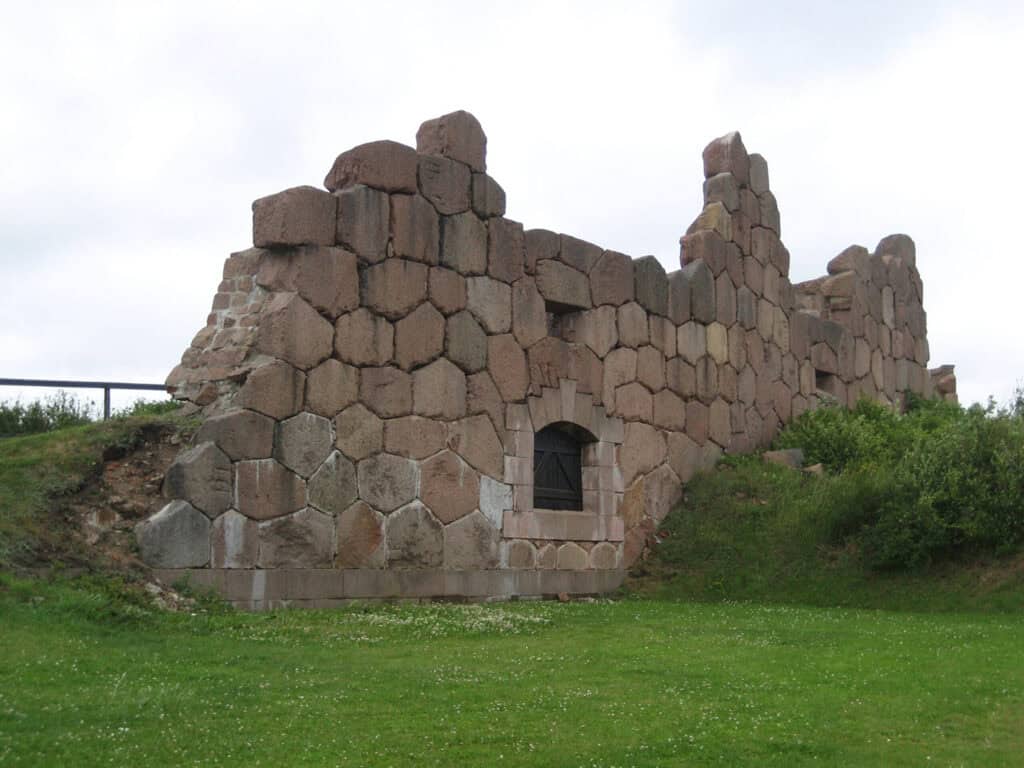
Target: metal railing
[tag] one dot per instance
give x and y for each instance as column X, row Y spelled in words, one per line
column 106, row 386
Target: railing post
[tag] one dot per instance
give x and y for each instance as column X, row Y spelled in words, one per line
column 106, row 403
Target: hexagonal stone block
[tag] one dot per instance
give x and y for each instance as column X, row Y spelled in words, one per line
column 563, row 286
column 597, row 328
column 465, row 342
column 475, row 439
column 692, row 342
column 669, row 411
column 697, row 421
column 415, row 538
column 363, row 222
column 302, row 442
column 632, row 325
column 363, row 338
column 358, row 432
column 506, row 250
column 178, row 536
column 490, row 301
column 385, row 165
column 447, row 290
column 439, row 390
column 296, row 216
column 333, row 488
column 678, row 297
column 449, row 486
column 457, row 135
column 611, row 279
column 464, row 243
column 275, row 389
column 360, row 537
column 727, row 154
column 445, row 183
column 331, row 387
column 506, row 362
column 386, row 391
column 662, row 491
column 201, row 475
column 386, row 481
column 488, row 196
column 572, row 557
column 641, row 451
column 471, row 544
column 633, row 402
column 267, row 489
column 651, row 285
column 415, row 229
column 419, row 337
column 650, row 368
column 234, row 541
column 719, row 422
column 325, row 277
column 701, row 280
column 302, row 540
column 681, row 377
column 394, row 287
column 718, row 343
column 292, row 331
column 482, row 397
column 240, row 434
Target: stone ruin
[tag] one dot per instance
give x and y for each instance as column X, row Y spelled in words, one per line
column 382, row 374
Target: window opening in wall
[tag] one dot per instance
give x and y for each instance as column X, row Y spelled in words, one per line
column 559, row 317
column 825, row 382
column 557, row 469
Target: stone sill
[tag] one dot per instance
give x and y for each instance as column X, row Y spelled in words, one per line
column 562, row 525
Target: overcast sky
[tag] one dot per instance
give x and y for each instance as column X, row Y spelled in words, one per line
column 136, row 135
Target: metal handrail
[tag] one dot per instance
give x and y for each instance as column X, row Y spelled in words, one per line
column 106, row 386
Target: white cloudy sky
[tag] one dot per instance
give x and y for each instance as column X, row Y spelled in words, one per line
column 135, row 135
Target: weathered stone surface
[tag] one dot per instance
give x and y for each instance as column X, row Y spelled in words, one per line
column 900, row 246
column 495, row 498
column 506, row 250
column 482, row 396
column 303, row 442
column 332, row 488
column 719, row 422
column 447, row 290
column 239, row 434
column 728, row 383
column 641, row 451
column 445, row 183
column 471, row 543
column 387, row 391
column 684, row 456
column 562, row 286
column 619, row 368
column 529, row 318
column 663, row 335
column 415, row 229
column 572, row 557
column 604, row 556
column 449, row 486
column 521, row 554
column 758, row 174
column 722, row 188
column 363, row 338
column 650, row 368
column 296, row 216
column 303, row 540
column 358, row 432
column 681, row 377
column 386, row 481
column 274, row 390
column 633, row 402
column 292, row 331
column 506, row 363
column 578, row 254
column 178, row 536
column 202, row 476
column 725, row 300
column 394, row 287
column 662, row 491
column 234, row 541
column 385, row 165
column 549, row 361
column 490, row 301
column 707, row 379
column 474, row 438
column 669, row 411
column 697, row 421
column 707, row 246
column 457, row 135
column 678, row 297
column 330, row 388
column 714, row 218
column 718, row 343
column 464, row 244
column 770, row 212
column 597, row 328
column 419, row 337
column 415, row 538
column 651, row 285
column 414, row 436
column 360, row 541
column 587, row 370
column 547, row 556
column 692, row 341
column 727, row 154
column 439, row 390
column 632, row 325
column 702, row 291
column 363, row 221
column 325, row 277
column 488, row 196
column 465, row 342
column 611, row 279
column 266, row 489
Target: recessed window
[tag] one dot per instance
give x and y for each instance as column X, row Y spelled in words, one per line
column 826, row 382
column 557, row 469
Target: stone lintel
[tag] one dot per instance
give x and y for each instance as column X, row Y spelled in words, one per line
column 563, row 525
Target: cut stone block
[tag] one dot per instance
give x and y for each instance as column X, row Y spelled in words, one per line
column 506, row 362
column 439, row 390
column 541, row 244
column 275, row 390
column 529, row 318
column 725, row 300
column 358, row 432
column 641, row 451
column 650, row 368
column 632, row 325
column 718, row 343
column 234, row 541
column 578, row 254
column 296, row 216
column 692, row 341
column 727, row 154
column 327, row 278
column 482, row 396
column 387, row 391
column 415, row 538
column 521, row 554
column 385, row 165
column 386, row 481
column 719, row 422
column 471, row 544
column 707, row 379
column 490, row 301
column 619, row 368
column 360, row 537
column 394, row 287
column 758, row 174
column 651, row 285
column 900, row 246
column 697, row 421
column 447, row 290
column 445, row 183
column 464, row 244
column 457, row 135
column 239, row 434
column 363, row 338
column 678, row 297
column 331, row 387
column 706, row 245
column 597, row 328
column 488, row 196
column 266, row 489
column 495, row 498
column 202, row 476
column 572, row 557
column 415, row 229
column 363, row 222
column 562, row 286
column 681, row 377
column 684, row 456
column 449, row 486
column 332, row 488
column 303, row 442
column 662, row 491
column 419, row 337
column 292, row 331
column 302, row 540
column 506, row 250
column 611, row 279
column 414, row 436
column 178, row 536
column 476, row 441
column 669, row 411
column 702, row 291
column 722, row 188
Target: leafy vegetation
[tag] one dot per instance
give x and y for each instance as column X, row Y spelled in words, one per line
column 57, row 411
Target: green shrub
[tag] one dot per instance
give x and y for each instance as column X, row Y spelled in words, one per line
column 57, row 411
column 149, row 408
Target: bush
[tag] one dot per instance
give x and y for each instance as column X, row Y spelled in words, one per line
column 57, row 411
column 149, row 408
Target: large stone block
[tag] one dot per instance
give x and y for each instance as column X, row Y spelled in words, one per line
column 529, row 317
column 325, row 277
column 650, row 368
column 394, row 287
column 419, row 336
column 475, row 439
column 360, row 537
column 178, row 536
column 506, row 250
column 296, row 216
column 303, row 442
column 725, row 300
column 457, row 135
column 718, row 343
column 414, row 436
column 447, row 184
column 363, row 222
column 572, row 557
column 415, row 229
column 719, row 422
column 332, row 488
column 684, row 456
column 331, row 387
column 550, row 361
column 464, row 244
column 722, row 188
column 541, row 244
column 240, row 434
column 651, row 285
column 363, row 338
column 358, row 432
column 506, row 363
column 471, row 544
column 386, row 481
column 770, row 212
column 697, row 421
column 681, row 377
column 387, row 391
column 447, row 290
column 699, row 277
column 385, row 165
column 678, row 297
column 619, row 368
column 611, row 279
column 578, row 254
column 521, row 554
column 266, row 489
column 495, row 499
column 303, row 540
column 275, row 390
column 758, row 174
column 707, row 379
column 563, row 286
column 900, row 246
column 714, row 218
column 706, row 245
column 692, row 341
column 202, row 476
column 490, row 301
column 669, row 411
column 633, row 328
column 488, row 196
column 482, row 396
column 727, row 154
column 597, row 328
column 292, row 331
column 439, row 390
column 234, row 541
column 415, row 538
column 465, row 342
column 641, row 451
column 449, row 486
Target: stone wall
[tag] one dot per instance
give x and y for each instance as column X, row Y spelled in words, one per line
column 374, row 370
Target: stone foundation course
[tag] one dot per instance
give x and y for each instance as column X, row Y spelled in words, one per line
column 374, row 371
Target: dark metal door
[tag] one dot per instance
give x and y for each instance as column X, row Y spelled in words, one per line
column 557, row 470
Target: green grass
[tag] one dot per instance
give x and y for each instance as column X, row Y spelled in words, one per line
column 87, row 679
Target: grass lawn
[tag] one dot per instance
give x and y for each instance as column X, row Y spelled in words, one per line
column 87, row 680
